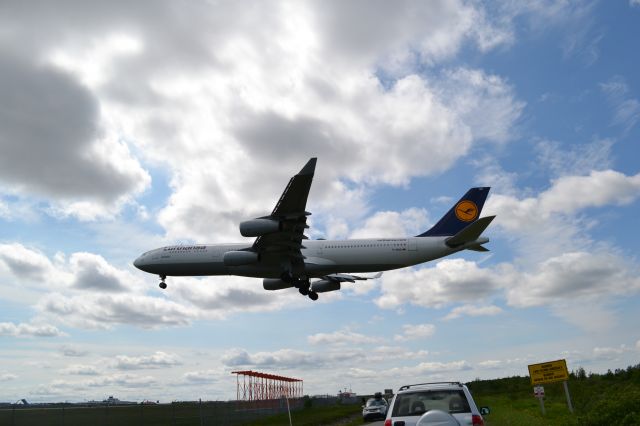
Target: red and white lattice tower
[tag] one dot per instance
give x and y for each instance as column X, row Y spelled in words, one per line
column 256, row 386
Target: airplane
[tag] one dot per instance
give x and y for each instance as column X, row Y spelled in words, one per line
column 285, row 258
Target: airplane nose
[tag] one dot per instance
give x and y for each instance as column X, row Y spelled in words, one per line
column 138, row 262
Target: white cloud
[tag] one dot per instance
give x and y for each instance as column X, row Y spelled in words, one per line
column 83, row 167
column 203, row 377
column 570, row 276
column 24, row 262
column 593, row 279
column 106, row 311
column 483, row 102
column 554, row 221
column 577, row 160
column 73, row 351
column 283, row 358
column 633, row 3
column 449, row 281
column 29, row 330
column 626, row 110
column 473, row 311
column 197, row 115
column 158, row 359
column 7, row 377
column 415, row 332
column 341, row 337
column 567, row 196
column 609, row 353
column 81, row 370
column 503, row 364
column 393, row 224
column 121, row 380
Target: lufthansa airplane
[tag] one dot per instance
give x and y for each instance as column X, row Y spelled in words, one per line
column 284, row 257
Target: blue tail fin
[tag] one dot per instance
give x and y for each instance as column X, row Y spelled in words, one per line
column 464, row 212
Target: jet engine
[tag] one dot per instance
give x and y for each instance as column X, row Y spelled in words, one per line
column 239, row 258
column 258, row 227
column 324, row 286
column 275, row 284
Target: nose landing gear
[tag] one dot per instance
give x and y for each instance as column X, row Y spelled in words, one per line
column 162, row 284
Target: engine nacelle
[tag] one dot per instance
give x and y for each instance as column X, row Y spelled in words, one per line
column 275, row 284
column 324, row 286
column 258, row 227
column 239, row 258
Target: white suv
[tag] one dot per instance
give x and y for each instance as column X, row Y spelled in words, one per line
column 442, row 403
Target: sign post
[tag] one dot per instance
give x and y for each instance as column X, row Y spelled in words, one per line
column 550, row 372
column 566, row 392
column 538, row 391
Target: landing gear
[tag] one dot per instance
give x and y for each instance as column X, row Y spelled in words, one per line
column 162, row 284
column 302, row 284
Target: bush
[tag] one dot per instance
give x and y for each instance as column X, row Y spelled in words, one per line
column 617, row 407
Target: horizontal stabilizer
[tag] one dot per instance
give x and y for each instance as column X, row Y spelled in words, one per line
column 470, row 233
column 478, row 248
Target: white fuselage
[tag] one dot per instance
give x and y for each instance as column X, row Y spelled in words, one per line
column 321, row 257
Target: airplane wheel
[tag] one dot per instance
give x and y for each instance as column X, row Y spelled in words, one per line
column 303, row 291
column 163, row 285
column 313, row 295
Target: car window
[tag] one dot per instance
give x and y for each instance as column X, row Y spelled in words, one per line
column 376, row 402
column 417, row 403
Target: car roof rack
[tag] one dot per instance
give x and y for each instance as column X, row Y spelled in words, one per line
column 405, row 387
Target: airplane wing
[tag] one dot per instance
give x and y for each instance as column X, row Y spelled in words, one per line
column 284, row 246
column 340, row 278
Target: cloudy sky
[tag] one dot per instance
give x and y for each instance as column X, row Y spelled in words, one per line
column 130, row 125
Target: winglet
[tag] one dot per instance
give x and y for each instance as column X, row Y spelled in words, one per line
column 310, row 167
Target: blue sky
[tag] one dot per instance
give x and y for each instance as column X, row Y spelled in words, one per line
column 131, row 127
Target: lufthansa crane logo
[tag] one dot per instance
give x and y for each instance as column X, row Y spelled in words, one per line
column 466, row 211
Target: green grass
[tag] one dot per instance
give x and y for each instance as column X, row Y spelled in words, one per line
column 178, row 414
column 312, row 416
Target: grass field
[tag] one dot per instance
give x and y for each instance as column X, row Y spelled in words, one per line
column 313, row 416
column 598, row 399
column 178, row 414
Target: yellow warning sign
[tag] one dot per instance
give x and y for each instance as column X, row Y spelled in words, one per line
column 548, row 372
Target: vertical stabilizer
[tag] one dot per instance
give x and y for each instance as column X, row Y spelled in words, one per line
column 462, row 214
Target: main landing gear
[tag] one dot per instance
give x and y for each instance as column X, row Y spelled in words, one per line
column 162, row 284
column 302, row 284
